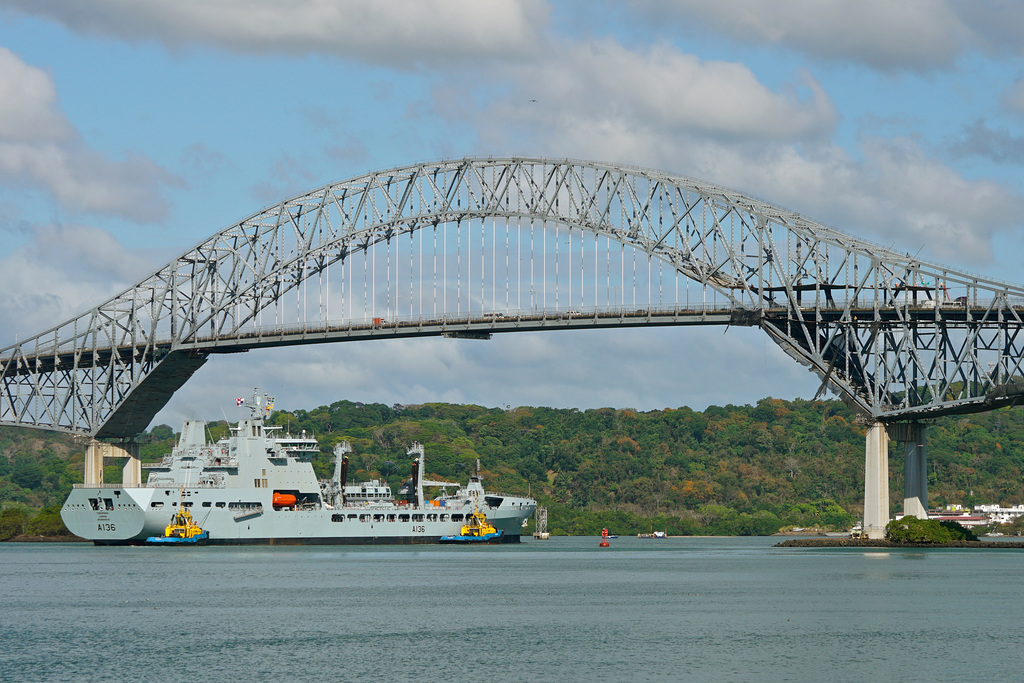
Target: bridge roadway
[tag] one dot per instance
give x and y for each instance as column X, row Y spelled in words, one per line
column 483, row 325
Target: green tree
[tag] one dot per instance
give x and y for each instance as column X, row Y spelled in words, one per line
column 12, row 523
column 761, row 523
column 910, row 529
column 27, row 474
column 47, row 523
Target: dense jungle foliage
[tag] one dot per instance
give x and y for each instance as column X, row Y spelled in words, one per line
column 726, row 470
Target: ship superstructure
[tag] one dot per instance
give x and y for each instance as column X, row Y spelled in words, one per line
column 258, row 486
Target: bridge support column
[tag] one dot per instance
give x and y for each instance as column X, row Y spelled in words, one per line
column 94, row 462
column 876, row 481
column 131, row 474
column 915, row 471
column 97, row 451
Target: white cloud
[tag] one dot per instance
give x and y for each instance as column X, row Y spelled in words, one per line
column 914, row 35
column 1013, row 99
column 288, row 176
column 911, row 34
column 40, row 149
column 593, row 89
column 996, row 143
column 61, row 272
column 28, row 103
column 398, row 32
column 896, row 194
column 202, row 162
column 996, row 25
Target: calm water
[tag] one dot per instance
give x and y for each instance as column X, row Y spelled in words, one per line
column 696, row 609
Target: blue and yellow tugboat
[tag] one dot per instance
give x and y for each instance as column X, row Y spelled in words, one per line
column 182, row 530
column 476, row 530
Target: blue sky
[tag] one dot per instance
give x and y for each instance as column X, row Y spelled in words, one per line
column 131, row 131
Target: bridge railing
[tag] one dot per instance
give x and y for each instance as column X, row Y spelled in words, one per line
column 389, row 321
column 637, row 311
column 481, row 317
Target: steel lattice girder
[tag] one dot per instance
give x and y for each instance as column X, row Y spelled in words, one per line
column 872, row 322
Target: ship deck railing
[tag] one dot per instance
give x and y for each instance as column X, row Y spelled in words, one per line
column 105, row 486
column 168, row 463
column 150, row 485
column 505, row 494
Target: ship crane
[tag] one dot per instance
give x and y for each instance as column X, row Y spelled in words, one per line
column 337, row 493
column 419, row 469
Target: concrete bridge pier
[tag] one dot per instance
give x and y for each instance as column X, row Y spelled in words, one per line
column 876, row 481
column 915, row 471
column 131, row 474
column 876, row 474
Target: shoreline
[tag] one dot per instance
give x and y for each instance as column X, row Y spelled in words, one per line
column 881, row 543
column 25, row 538
column 806, row 542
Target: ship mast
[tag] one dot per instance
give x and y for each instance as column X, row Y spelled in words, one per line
column 260, row 406
column 417, row 449
column 259, row 410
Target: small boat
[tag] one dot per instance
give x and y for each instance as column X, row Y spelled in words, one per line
column 654, row 534
column 182, row 530
column 476, row 530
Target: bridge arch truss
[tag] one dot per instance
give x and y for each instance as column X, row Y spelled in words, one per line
column 475, row 246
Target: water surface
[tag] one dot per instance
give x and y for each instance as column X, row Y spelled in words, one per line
column 698, row 609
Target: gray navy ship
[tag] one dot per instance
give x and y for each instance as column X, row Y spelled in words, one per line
column 258, row 487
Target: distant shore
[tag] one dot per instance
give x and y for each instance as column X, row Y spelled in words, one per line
column 871, row 543
column 24, row 538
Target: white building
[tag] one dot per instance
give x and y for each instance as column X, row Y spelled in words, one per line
column 1000, row 515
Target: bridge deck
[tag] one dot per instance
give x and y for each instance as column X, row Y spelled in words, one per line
column 482, row 325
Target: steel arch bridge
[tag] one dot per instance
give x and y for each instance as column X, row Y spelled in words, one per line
column 476, row 246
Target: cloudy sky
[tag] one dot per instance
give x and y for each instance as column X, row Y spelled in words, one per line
column 129, row 131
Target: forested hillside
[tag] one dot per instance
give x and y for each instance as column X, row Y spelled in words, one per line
column 732, row 469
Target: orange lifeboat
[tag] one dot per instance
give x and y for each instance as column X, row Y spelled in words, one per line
column 283, row 500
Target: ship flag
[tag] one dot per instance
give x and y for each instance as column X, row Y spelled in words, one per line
column 239, row 401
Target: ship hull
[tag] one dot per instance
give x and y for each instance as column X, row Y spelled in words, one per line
column 128, row 516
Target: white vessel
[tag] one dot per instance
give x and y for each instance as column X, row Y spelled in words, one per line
column 258, row 487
